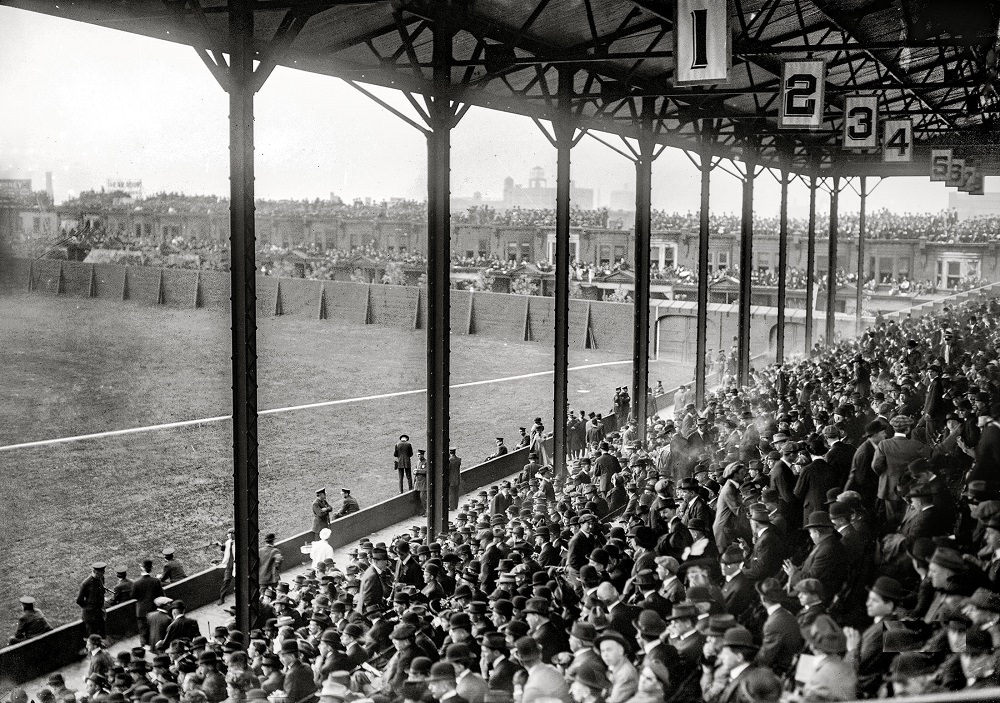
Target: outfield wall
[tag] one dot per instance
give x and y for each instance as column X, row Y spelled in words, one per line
column 56, row 649
column 512, row 318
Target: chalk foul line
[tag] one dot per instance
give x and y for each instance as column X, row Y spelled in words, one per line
column 288, row 409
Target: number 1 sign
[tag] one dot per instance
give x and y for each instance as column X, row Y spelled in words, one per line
column 803, row 85
column 702, row 42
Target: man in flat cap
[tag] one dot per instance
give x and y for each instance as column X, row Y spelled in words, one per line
column 91, row 600
column 31, row 623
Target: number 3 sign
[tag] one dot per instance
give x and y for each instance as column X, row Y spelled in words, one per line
column 803, row 84
column 860, row 120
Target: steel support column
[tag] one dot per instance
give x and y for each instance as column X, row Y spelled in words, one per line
column 441, row 116
column 779, row 346
column 746, row 269
column 701, row 341
column 563, row 129
column 243, row 312
column 643, row 225
column 862, row 222
column 831, row 283
column 811, row 266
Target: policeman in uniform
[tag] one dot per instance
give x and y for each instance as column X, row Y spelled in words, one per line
column 172, row 569
column 31, row 623
column 123, row 589
column 91, row 600
column 350, row 504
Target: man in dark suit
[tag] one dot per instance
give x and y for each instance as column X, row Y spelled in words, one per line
column 684, row 635
column 454, row 477
column 816, row 479
column 737, row 657
column 892, row 456
column 782, row 639
column 145, row 589
column 827, row 561
column 923, row 518
column 768, row 546
column 738, row 590
column 402, row 454
column 551, row 639
column 497, row 667
column 408, row 571
column 181, row 627
column 862, row 477
column 605, row 466
column 158, row 620
column 840, row 453
column 372, row 590
column 90, row 599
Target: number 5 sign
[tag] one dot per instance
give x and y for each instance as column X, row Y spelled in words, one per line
column 803, row 84
column 860, row 120
column 702, row 42
column 897, row 142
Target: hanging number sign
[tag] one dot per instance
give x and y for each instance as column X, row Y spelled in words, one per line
column 940, row 164
column 860, row 122
column 956, row 173
column 702, row 42
column 803, row 86
column 897, row 141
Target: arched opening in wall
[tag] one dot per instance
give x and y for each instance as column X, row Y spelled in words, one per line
column 794, row 334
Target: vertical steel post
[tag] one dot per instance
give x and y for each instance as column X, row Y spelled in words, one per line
column 746, row 270
column 441, row 114
column 563, row 128
column 243, row 312
column 811, row 265
column 779, row 346
column 831, row 284
column 701, row 334
column 643, row 225
column 862, row 222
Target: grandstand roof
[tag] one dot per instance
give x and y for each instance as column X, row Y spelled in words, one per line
column 623, row 52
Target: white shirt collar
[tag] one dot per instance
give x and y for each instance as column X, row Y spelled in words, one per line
column 737, row 670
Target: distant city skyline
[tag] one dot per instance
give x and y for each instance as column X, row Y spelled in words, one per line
column 108, row 104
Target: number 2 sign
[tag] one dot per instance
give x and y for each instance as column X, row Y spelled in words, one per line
column 803, row 85
column 897, row 141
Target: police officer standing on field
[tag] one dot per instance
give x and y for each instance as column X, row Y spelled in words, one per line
column 91, row 600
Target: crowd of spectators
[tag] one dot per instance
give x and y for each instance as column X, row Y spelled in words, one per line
column 828, row 532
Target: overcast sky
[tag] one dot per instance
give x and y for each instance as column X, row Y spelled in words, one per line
column 89, row 104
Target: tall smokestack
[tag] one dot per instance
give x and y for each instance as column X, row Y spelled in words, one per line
column 48, row 187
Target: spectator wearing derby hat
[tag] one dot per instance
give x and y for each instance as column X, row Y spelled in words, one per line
column 738, row 590
column 270, row 562
column 831, row 679
column 827, row 561
column 544, row 680
column 299, row 684
column 495, row 663
column 867, row 651
column 769, row 547
column 683, row 634
column 551, row 638
column 589, row 684
column 372, row 590
column 913, row 674
column 737, row 655
column 181, row 627
column 469, row 683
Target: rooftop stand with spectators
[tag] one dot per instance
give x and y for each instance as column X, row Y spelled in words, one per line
column 825, row 527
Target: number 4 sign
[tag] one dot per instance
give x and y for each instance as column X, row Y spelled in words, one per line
column 897, row 141
column 860, row 120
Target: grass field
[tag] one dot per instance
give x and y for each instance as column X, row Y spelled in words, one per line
column 72, row 367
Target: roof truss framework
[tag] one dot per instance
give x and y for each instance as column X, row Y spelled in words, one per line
column 507, row 55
